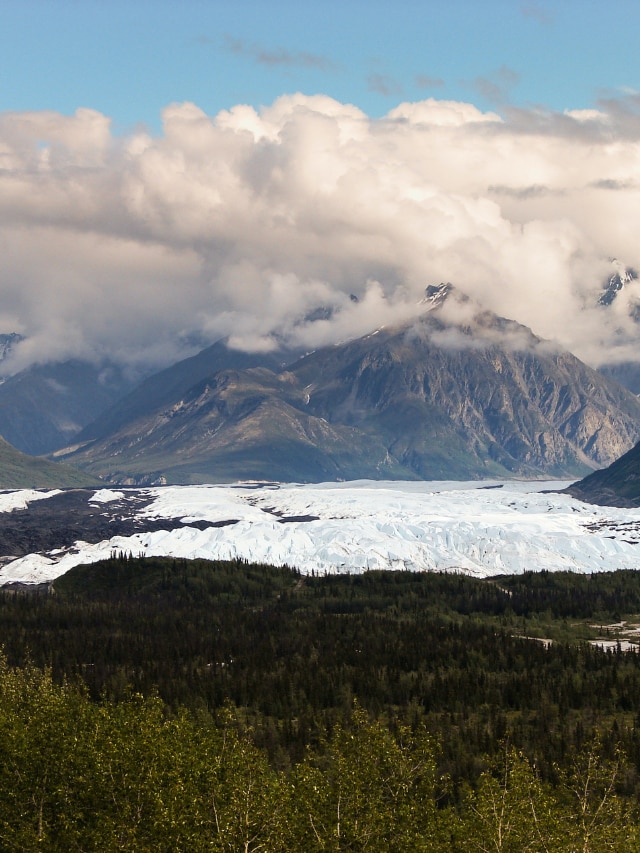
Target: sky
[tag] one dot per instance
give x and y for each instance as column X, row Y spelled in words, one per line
column 171, row 173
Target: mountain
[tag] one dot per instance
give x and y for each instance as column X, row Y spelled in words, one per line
column 623, row 282
column 7, row 343
column 167, row 386
column 237, row 424
column 45, row 406
column 489, row 392
column 457, row 393
column 625, row 373
column 20, row 471
column 616, row 485
column 619, row 279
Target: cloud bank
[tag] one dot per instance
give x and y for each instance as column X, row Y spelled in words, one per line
column 309, row 222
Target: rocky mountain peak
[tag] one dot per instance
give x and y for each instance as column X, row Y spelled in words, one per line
column 436, row 294
column 621, row 294
column 621, row 277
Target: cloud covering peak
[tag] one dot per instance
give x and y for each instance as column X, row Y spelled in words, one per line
column 265, row 224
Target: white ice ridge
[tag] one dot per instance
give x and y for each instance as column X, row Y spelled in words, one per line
column 478, row 528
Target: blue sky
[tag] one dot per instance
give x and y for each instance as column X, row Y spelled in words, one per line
column 130, row 59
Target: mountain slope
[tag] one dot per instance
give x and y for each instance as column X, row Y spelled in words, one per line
column 45, row 406
column 616, row 485
column 488, row 390
column 167, row 386
column 436, row 398
column 237, row 424
column 20, row 471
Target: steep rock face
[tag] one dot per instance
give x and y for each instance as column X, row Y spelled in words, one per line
column 517, row 402
column 620, row 278
column 237, row 424
column 437, row 398
column 7, row 344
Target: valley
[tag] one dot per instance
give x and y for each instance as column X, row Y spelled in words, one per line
column 319, row 427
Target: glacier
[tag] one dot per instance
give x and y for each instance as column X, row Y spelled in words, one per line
column 481, row 528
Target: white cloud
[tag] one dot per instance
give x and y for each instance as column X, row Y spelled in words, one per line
column 248, row 222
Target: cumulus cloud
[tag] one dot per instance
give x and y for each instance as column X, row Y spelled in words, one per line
column 308, row 222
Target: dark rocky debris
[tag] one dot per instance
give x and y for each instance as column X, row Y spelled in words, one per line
column 69, row 517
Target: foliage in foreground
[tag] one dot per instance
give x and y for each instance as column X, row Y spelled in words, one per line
column 77, row 775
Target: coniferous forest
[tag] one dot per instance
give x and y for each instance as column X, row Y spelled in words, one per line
column 158, row 704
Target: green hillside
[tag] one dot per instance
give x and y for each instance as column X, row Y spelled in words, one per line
column 20, row 471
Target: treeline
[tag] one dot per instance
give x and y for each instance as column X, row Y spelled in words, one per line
column 567, row 595
column 77, row 775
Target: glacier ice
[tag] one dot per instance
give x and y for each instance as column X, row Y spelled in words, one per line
column 479, row 528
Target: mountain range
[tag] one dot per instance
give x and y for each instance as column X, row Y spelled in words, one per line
column 456, row 393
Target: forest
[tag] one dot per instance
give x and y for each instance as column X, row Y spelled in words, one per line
column 161, row 704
